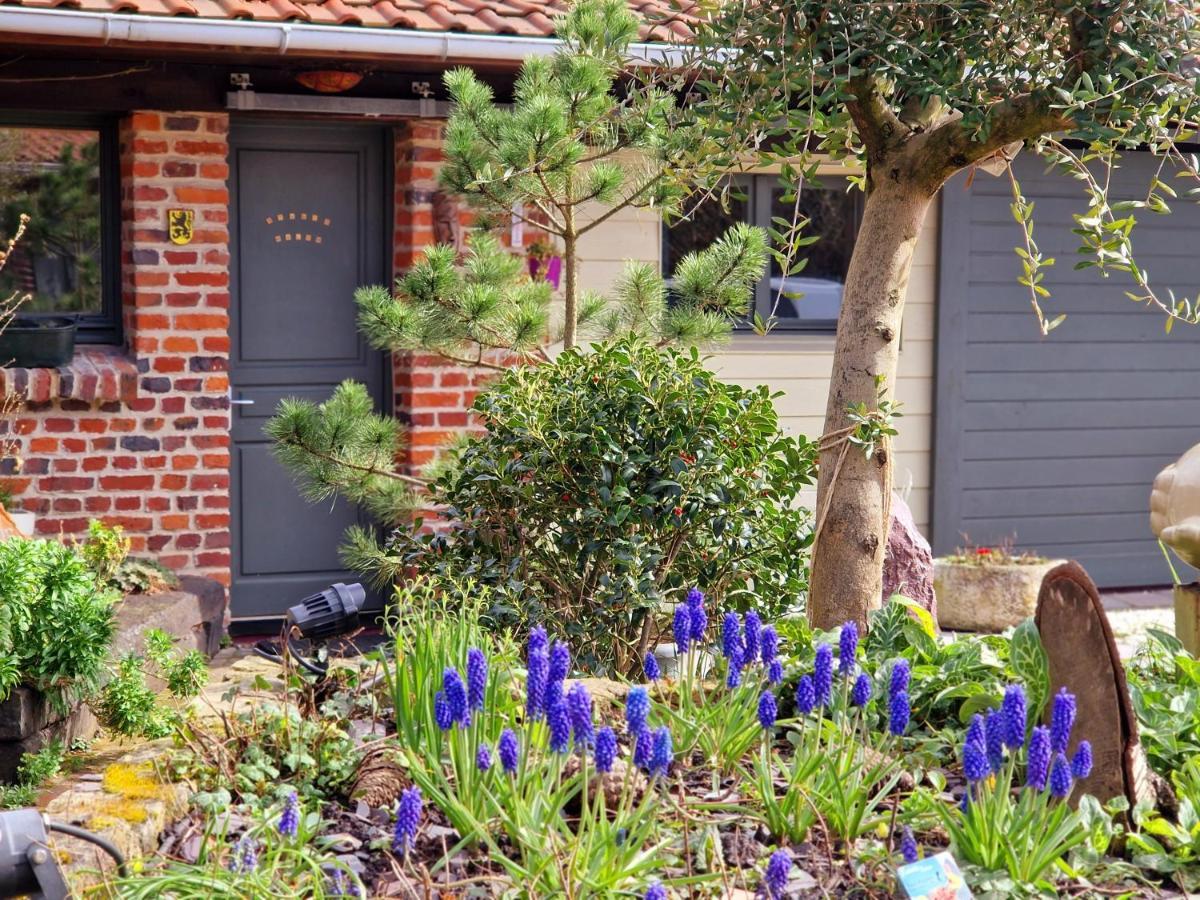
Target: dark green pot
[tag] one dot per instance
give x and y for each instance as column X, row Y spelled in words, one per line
column 37, row 343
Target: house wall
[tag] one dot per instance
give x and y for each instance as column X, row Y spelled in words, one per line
column 799, row 365
column 141, row 438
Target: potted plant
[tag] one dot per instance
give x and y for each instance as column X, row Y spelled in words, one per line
column 544, row 262
column 37, row 342
column 988, row 588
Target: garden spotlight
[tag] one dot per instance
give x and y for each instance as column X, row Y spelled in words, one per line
column 328, row 614
column 28, row 866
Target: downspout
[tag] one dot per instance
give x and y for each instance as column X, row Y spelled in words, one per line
column 294, row 37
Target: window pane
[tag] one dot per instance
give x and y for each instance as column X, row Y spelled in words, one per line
column 53, row 175
column 814, row 294
column 706, row 222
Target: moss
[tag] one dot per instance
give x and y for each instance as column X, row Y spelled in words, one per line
column 138, row 782
column 112, row 810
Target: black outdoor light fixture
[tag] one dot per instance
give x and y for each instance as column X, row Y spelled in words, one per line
column 28, row 866
column 319, row 617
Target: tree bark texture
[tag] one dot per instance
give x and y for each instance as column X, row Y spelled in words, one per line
column 847, row 566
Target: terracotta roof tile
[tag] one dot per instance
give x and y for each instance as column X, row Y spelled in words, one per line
column 661, row 19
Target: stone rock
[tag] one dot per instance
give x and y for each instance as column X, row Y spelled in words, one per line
column 908, row 560
column 987, row 596
column 1083, row 658
column 1175, row 506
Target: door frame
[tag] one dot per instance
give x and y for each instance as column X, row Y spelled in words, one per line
column 245, row 130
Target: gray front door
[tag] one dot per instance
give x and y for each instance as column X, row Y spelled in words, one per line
column 1053, row 442
column 308, row 227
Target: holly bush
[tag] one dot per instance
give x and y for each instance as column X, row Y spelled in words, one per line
column 609, row 482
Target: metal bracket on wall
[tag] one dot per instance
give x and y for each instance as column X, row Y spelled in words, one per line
column 369, row 107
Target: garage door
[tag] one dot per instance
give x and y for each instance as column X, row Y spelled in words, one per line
column 1052, row 442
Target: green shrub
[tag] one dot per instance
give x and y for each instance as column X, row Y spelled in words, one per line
column 129, row 707
column 610, row 481
column 104, row 550
column 55, row 623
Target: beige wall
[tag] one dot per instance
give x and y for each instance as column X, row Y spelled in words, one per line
column 799, row 365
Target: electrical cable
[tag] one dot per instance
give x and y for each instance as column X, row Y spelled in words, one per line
column 84, row 835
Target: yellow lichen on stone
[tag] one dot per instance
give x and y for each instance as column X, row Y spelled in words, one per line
column 108, row 810
column 134, row 782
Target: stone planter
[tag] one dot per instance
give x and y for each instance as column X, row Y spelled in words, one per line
column 991, row 597
column 1187, row 616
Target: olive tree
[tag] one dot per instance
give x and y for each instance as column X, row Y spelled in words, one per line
column 913, row 93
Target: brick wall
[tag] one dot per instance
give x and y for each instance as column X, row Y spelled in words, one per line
column 155, row 460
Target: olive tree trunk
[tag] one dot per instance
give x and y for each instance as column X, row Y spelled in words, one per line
column 853, row 509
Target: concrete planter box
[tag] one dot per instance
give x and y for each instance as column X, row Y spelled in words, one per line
column 991, row 597
column 194, row 613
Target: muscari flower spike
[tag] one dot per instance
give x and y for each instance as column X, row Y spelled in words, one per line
column 898, row 713
column 643, row 749
column 733, row 677
column 456, row 696
column 731, row 635
column 770, row 645
column 909, row 851
column 441, row 711
column 768, row 710
column 752, row 637
column 682, row 629
column 244, row 858
column 993, row 728
column 650, row 668
column 1062, row 720
column 535, row 684
column 664, row 754
column 847, row 648
column 579, row 708
column 697, row 614
column 975, row 764
column 861, row 692
column 1014, row 708
column 560, row 661
column 408, row 820
column 554, row 694
column 823, row 674
column 1060, row 777
column 289, row 819
column 806, row 695
column 508, row 750
column 899, row 677
column 336, row 884
column 483, row 758
column 637, row 709
column 538, row 641
column 774, row 672
column 1081, row 762
column 976, row 733
column 1037, row 762
column 560, row 726
column 779, row 867
column 477, row 672
column 606, row 749
column 656, row 892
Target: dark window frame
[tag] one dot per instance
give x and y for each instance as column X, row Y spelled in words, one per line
column 104, row 327
column 755, row 191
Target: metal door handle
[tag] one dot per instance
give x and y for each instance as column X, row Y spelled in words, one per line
column 233, row 402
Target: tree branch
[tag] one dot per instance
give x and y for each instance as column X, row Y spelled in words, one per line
column 876, row 122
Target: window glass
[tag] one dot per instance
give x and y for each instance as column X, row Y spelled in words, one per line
column 53, row 174
column 814, row 294
column 706, row 220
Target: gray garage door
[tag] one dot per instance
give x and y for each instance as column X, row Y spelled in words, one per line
column 1053, row 442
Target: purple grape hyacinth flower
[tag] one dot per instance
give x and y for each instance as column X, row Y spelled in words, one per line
column 1014, row 708
column 289, row 819
column 975, row 764
column 477, row 673
column 535, row 684
column 244, row 858
column 656, row 892
column 650, row 667
column 774, row 672
column 1081, row 762
column 898, row 713
column 538, row 641
column 752, row 637
column 456, row 696
column 554, row 694
column 861, row 692
column 606, row 749
column 1037, row 763
column 779, row 867
column 508, row 750
column 560, row 661
column 697, row 615
column 1062, row 720
column 441, row 712
column 733, row 677
column 768, row 710
column 976, row 733
column 769, row 639
column 579, row 708
column 681, row 626
column 408, row 820
column 731, row 635
column 909, row 851
column 637, row 709
column 1060, row 777
column 664, row 754
column 993, row 728
column 823, row 674
column 483, row 758
column 847, row 648
column 560, row 726
column 643, row 749
column 806, row 695
column 899, row 677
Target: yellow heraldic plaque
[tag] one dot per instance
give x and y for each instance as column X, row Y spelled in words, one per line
column 180, row 225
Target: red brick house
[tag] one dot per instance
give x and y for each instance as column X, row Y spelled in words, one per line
column 228, row 214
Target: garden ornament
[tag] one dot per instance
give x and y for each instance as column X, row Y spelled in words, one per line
column 327, row 614
column 1083, row 658
column 1175, row 506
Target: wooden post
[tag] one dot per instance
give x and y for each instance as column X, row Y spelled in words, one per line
column 1187, row 616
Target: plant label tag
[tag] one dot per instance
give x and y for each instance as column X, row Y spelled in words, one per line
column 936, row 877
